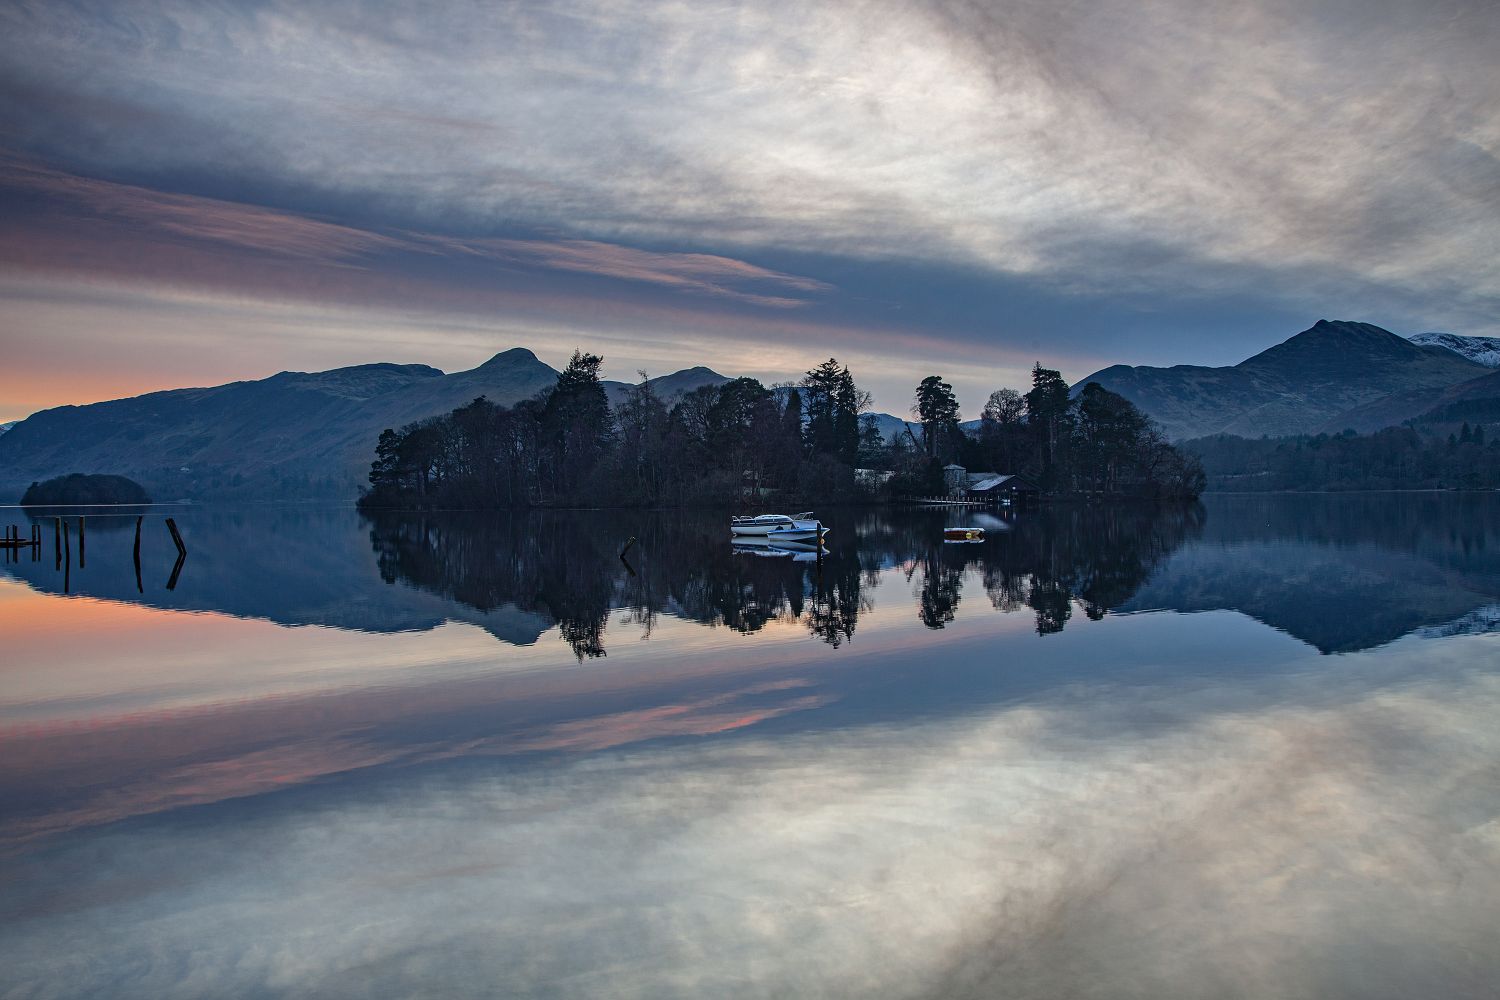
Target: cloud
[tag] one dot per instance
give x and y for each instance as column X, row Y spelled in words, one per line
column 1323, row 834
column 245, row 227
column 1160, row 145
column 996, row 183
column 693, row 272
column 253, row 228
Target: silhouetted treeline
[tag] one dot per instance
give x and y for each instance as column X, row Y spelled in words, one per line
column 1394, row 458
column 716, row 444
column 1094, row 442
column 803, row 443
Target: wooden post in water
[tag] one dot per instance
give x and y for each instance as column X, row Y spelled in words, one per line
column 57, row 539
column 138, row 588
column 67, row 558
column 181, row 554
column 176, row 570
column 80, row 541
column 176, row 538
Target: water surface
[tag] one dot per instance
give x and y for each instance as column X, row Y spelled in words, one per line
column 1246, row 748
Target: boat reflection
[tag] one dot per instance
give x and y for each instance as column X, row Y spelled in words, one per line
column 778, row 549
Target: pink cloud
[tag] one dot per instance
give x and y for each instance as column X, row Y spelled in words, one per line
column 250, row 227
column 696, row 272
column 245, row 226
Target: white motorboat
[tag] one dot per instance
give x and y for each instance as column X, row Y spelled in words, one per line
column 779, row 527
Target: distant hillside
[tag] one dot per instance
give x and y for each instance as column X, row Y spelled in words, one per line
column 892, row 427
column 1424, row 456
column 295, row 435
column 668, row 387
column 1480, row 350
column 1300, row 386
column 1476, row 398
column 889, row 425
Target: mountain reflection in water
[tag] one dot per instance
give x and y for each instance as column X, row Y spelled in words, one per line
column 1339, row 572
column 495, row 759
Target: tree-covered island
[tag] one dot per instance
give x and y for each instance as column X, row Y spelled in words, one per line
column 808, row 441
column 78, row 488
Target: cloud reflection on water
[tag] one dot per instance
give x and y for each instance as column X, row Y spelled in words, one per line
column 1332, row 833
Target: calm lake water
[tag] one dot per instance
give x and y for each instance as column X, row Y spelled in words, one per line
column 1250, row 748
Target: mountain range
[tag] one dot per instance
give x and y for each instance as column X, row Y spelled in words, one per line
column 294, row 435
column 301, row 435
column 1334, row 375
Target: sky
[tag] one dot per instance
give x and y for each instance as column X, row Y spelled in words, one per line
column 193, row 193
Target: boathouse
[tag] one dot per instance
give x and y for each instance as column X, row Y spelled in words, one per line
column 1003, row 487
column 986, row 485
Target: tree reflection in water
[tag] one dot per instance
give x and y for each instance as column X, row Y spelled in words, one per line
column 1048, row 559
column 568, row 567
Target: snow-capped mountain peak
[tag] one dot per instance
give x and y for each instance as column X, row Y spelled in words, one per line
column 1482, row 350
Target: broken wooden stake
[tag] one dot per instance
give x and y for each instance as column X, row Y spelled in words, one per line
column 176, row 537
column 177, row 569
column 181, row 554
